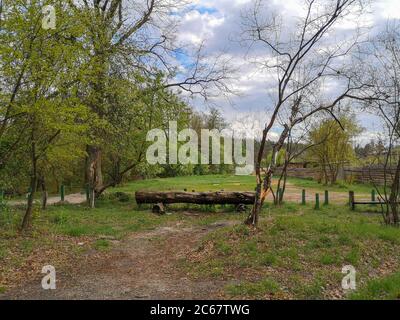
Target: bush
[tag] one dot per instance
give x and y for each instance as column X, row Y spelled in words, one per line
column 120, row 196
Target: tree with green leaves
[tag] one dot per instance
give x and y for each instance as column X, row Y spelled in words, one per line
column 132, row 42
column 337, row 148
column 50, row 118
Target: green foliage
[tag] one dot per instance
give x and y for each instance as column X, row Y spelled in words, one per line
column 77, row 88
column 120, row 196
column 48, row 119
column 332, row 146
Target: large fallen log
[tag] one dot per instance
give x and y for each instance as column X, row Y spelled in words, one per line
column 219, row 197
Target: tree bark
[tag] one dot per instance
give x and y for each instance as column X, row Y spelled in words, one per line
column 34, row 179
column 219, row 197
column 94, row 173
column 264, row 185
column 394, row 198
column 44, row 193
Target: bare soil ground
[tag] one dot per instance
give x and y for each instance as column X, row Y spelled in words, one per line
column 145, row 265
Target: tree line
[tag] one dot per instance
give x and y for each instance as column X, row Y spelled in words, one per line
column 77, row 101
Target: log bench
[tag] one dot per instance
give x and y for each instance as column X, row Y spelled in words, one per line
column 160, row 199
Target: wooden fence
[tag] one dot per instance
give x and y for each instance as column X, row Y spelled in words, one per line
column 361, row 175
column 369, row 175
column 305, row 173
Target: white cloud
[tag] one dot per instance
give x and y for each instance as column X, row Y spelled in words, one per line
column 218, row 22
column 387, row 9
column 196, row 26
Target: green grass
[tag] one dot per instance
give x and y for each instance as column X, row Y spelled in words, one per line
column 297, row 252
column 190, row 183
column 110, row 218
column 258, row 289
column 102, row 244
column 302, row 250
column 231, row 183
column 385, row 288
column 60, row 227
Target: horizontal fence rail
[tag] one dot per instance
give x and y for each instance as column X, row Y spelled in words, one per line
column 374, row 175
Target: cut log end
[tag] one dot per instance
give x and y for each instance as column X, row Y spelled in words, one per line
column 241, row 207
column 159, row 208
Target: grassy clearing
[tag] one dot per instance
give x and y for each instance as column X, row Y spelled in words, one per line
column 232, row 183
column 299, row 253
column 62, row 233
column 110, row 218
column 218, row 183
column 190, row 183
column 296, row 253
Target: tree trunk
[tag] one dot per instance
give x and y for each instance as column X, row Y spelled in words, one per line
column 29, row 209
column 93, row 172
column 393, row 218
column 219, row 197
column 325, row 172
column 264, row 185
column 44, row 193
column 283, row 189
column 92, row 198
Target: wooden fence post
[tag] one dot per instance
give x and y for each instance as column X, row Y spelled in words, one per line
column 351, row 200
column 303, row 197
column 326, row 197
column 316, row 201
column 62, row 191
column 373, row 198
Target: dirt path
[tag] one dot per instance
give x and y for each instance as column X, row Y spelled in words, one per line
column 74, row 198
column 142, row 266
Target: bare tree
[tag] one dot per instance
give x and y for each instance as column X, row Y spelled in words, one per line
column 382, row 97
column 286, row 54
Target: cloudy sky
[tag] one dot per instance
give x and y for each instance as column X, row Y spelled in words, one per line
column 218, row 23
